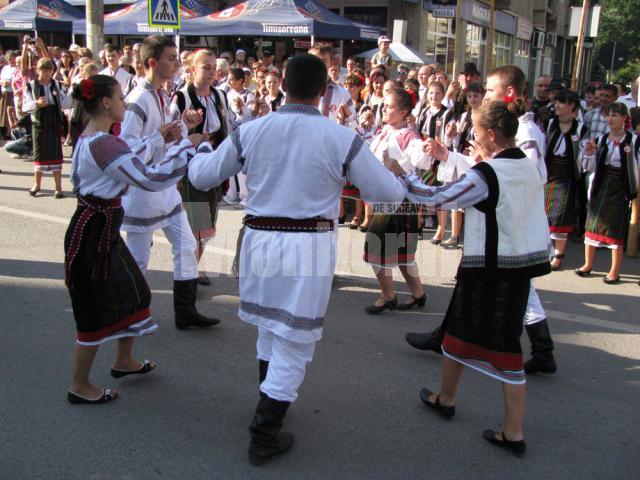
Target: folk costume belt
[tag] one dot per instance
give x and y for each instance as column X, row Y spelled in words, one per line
column 293, row 225
column 90, row 206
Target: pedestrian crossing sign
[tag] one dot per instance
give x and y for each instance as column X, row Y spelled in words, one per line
column 164, row 13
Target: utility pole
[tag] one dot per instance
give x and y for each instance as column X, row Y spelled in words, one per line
column 577, row 67
column 613, row 59
column 95, row 26
column 458, row 56
column 492, row 11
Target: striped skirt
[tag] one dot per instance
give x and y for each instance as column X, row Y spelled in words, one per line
column 559, row 203
column 109, row 294
column 350, row 191
column 6, row 101
column 201, row 208
column 483, row 325
column 608, row 211
column 392, row 238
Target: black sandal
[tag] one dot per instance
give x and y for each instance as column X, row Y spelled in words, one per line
column 415, row 302
column 147, row 366
column 445, row 411
column 388, row 305
column 107, row 396
column 517, row 448
column 560, row 257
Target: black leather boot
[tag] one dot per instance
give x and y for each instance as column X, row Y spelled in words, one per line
column 267, row 440
column 184, row 306
column 541, row 349
column 427, row 341
column 263, row 367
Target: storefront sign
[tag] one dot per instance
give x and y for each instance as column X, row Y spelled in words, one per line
column 525, row 29
column 441, row 8
column 480, row 14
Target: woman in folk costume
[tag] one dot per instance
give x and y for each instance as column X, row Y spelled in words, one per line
column 461, row 138
column 109, row 295
column 565, row 137
column 505, row 246
column 432, row 122
column 613, row 159
column 392, row 236
column 44, row 100
column 200, row 94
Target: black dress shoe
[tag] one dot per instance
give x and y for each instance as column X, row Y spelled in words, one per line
column 555, row 268
column 611, row 281
column 415, row 302
column 517, row 448
column 445, row 411
column 426, row 341
column 582, row 273
column 388, row 305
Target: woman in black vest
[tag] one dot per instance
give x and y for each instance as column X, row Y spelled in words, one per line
column 44, row 100
column 613, row 158
column 199, row 94
column 564, row 139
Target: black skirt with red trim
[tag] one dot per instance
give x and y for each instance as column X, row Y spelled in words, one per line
column 109, row 294
column 483, row 326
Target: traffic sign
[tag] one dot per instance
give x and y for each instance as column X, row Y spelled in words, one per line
column 164, row 13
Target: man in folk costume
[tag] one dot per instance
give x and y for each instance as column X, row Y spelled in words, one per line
column 287, row 254
column 148, row 108
column 336, row 103
column 507, row 83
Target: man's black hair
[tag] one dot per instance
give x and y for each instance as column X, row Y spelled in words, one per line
column 306, row 77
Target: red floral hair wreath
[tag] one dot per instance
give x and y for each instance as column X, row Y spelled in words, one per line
column 509, row 98
column 87, row 89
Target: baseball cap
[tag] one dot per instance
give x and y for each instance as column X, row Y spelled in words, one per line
column 382, row 39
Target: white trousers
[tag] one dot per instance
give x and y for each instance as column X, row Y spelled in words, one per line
column 183, row 247
column 535, row 313
column 287, row 363
column 237, row 191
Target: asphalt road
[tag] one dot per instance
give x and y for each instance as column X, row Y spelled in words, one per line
column 358, row 415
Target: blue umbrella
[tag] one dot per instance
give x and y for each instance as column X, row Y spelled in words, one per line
column 134, row 19
column 279, row 18
column 41, row 15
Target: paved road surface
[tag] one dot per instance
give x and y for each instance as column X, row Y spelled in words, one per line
column 358, row 416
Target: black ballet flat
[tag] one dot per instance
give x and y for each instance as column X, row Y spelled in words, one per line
column 354, row 226
column 107, row 396
column 34, row 191
column 415, row 302
column 451, row 243
column 435, row 241
column 582, row 273
column 516, row 448
column 446, row 412
column 555, row 268
column 611, row 281
column 342, row 219
column 388, row 305
column 147, row 366
column 363, row 228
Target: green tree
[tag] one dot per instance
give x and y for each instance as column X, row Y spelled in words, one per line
column 619, row 23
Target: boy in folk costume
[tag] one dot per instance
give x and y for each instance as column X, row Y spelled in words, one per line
column 288, row 253
column 507, row 83
column 148, row 107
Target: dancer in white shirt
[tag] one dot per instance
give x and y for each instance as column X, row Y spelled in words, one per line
column 288, row 253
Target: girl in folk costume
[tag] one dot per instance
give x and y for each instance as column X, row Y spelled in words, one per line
column 565, row 136
column 201, row 95
column 613, row 159
column 109, row 295
column 78, row 119
column 392, row 236
column 461, row 137
column 432, row 122
column 505, row 246
column 375, row 95
column 44, row 99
